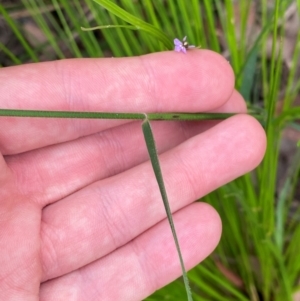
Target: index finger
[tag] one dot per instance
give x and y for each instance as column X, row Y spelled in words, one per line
column 167, row 81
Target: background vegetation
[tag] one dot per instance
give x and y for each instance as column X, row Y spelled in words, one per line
column 258, row 257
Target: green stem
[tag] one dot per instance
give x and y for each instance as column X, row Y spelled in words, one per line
column 105, row 115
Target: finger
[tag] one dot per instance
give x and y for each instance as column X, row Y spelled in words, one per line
column 60, row 170
column 106, row 215
column 20, row 270
column 164, row 81
column 143, row 265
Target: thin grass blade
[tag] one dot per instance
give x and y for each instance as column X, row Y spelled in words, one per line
column 127, row 17
column 17, row 32
column 114, row 115
column 151, row 147
column 110, row 26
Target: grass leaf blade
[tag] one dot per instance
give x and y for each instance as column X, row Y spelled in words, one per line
column 148, row 135
column 139, row 23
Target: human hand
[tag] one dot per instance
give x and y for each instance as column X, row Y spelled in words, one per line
column 81, row 217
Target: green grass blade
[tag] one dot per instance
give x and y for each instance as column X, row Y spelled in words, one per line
column 74, row 16
column 109, row 26
column 123, row 39
column 288, row 115
column 127, row 17
column 285, row 292
column 218, row 280
column 183, row 8
column 117, row 115
column 289, row 97
column 100, row 16
column 253, row 50
column 249, row 75
column 15, row 59
column 67, row 29
column 213, row 38
column 18, row 34
column 44, row 20
column 148, row 135
column 177, row 26
column 69, row 114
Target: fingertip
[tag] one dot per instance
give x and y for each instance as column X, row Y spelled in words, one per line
column 220, row 70
column 256, row 139
column 199, row 80
column 247, row 141
column 207, row 229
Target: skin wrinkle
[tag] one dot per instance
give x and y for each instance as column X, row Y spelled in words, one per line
column 37, row 166
column 206, row 153
column 109, row 141
column 47, row 249
column 112, row 213
column 34, row 90
column 108, row 138
column 70, row 87
column 66, row 77
column 174, row 177
column 122, row 80
column 56, row 236
column 32, row 176
column 130, row 85
column 103, row 94
column 179, row 159
column 145, row 268
column 22, row 177
column 71, row 91
column 151, row 86
column 105, row 213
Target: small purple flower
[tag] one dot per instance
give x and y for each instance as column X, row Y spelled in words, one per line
column 179, row 46
column 182, row 46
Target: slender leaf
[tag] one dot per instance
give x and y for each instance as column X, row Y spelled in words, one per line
column 151, row 147
column 127, row 17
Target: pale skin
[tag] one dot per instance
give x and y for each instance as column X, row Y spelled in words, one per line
column 81, row 217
